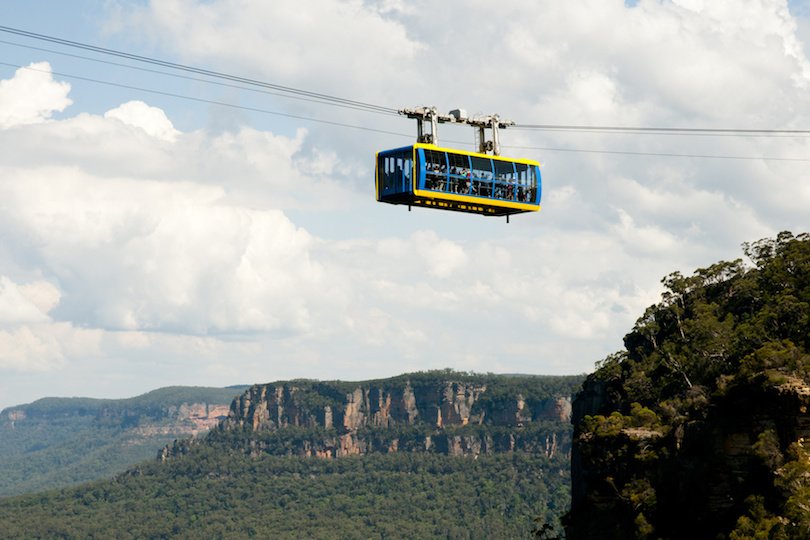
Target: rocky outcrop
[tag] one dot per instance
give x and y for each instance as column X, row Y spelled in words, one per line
column 456, row 417
column 286, row 404
column 282, row 405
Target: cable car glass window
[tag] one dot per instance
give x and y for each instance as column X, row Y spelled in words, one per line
column 459, row 169
column 481, row 176
column 435, row 170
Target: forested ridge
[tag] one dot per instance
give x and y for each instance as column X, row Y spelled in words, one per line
column 249, row 480
column 210, row 495
column 698, row 428
column 57, row 442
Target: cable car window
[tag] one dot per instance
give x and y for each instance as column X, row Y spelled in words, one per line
column 388, row 174
column 522, row 181
column 435, row 170
column 504, row 177
column 407, row 171
column 481, row 176
column 531, row 185
column 398, row 175
column 459, row 173
column 532, row 190
column 521, row 169
column 504, row 170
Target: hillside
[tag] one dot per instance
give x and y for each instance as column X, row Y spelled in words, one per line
column 698, row 428
column 426, row 455
column 57, row 442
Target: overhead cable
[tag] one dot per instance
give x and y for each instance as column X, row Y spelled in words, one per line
column 208, row 101
column 358, row 105
column 385, row 132
column 189, row 78
column 199, row 71
column 369, row 107
column 656, row 154
column 664, row 130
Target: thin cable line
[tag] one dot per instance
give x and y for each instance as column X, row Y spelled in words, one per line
column 374, row 130
column 665, row 130
column 208, row 101
column 655, row 154
column 389, row 110
column 191, row 69
column 196, row 79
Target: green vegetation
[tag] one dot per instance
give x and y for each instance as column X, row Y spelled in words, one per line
column 56, row 442
column 695, row 429
column 208, row 494
column 238, row 482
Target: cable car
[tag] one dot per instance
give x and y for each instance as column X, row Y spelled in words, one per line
column 425, row 174
column 448, row 179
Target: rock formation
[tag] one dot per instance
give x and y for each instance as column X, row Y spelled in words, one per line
column 461, row 415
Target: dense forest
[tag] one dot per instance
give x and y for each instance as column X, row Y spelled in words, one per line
column 207, row 494
column 698, row 428
column 57, row 442
column 251, row 479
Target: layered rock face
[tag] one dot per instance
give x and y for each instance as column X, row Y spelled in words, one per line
column 186, row 418
column 457, row 417
column 448, row 404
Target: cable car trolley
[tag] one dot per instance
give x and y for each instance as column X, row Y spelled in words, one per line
column 426, row 174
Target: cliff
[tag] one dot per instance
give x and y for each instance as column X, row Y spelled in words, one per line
column 423, row 455
column 443, row 412
column 55, row 442
column 698, row 428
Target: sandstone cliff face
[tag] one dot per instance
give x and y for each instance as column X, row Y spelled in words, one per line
column 275, row 406
column 183, row 419
column 445, row 416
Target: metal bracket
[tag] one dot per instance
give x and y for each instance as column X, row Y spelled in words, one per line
column 431, row 115
column 427, row 114
column 492, row 122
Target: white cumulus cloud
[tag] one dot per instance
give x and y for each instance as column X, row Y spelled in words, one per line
column 31, row 96
column 150, row 119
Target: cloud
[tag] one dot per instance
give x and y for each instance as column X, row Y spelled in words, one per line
column 150, row 119
column 26, row 304
column 324, row 44
column 134, row 254
column 31, row 96
column 43, row 347
column 181, row 250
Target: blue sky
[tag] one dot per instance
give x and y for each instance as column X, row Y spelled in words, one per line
column 148, row 240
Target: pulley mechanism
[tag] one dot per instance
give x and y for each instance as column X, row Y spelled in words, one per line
column 431, row 115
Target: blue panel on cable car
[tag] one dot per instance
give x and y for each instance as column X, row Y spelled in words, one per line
column 448, row 179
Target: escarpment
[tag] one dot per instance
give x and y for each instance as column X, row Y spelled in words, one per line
column 699, row 428
column 442, row 412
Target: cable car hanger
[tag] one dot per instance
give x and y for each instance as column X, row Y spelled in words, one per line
column 431, row 115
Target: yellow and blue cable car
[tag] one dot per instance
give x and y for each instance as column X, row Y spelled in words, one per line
column 427, row 175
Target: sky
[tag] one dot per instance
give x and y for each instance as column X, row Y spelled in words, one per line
column 158, row 230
